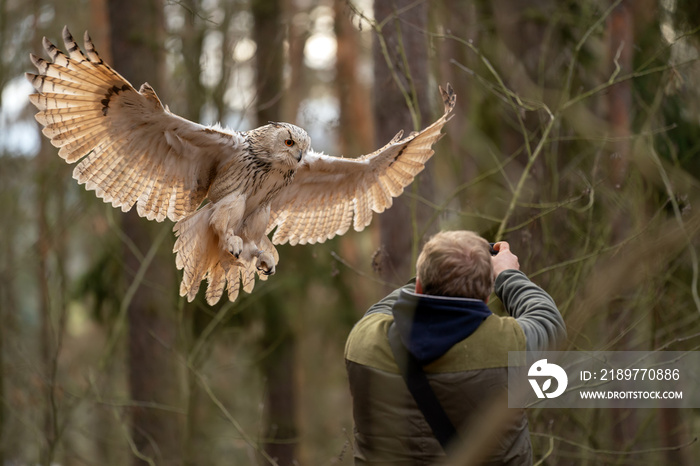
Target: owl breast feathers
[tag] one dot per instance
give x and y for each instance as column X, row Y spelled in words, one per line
column 131, row 150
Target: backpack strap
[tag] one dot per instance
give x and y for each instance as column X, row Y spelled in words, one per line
column 420, row 389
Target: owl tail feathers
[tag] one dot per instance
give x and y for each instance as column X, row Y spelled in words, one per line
column 198, row 255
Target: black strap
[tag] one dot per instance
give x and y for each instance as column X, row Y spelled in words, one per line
column 421, row 390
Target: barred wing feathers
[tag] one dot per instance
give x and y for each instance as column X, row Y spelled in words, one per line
column 329, row 194
column 133, row 149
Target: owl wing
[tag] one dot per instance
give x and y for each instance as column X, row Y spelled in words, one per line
column 329, row 194
column 133, row 149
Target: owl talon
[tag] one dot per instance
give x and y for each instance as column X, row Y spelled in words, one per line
column 265, row 263
column 234, row 244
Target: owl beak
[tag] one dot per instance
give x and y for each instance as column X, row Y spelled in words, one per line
column 301, row 156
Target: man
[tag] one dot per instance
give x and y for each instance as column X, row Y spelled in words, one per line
column 441, row 318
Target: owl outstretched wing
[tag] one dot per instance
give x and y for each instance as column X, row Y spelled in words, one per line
column 331, row 193
column 133, row 149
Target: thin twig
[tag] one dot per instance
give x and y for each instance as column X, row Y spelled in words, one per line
column 120, row 322
column 378, row 27
column 582, row 42
column 615, row 452
column 523, row 177
column 548, row 453
column 692, row 252
column 359, row 272
column 227, row 414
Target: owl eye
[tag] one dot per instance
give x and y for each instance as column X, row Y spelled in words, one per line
column 289, row 142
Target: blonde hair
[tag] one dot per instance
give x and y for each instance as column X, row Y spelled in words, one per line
column 457, row 264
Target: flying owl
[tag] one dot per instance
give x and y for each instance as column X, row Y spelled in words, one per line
column 133, row 151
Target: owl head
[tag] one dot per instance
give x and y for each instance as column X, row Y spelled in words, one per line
column 282, row 144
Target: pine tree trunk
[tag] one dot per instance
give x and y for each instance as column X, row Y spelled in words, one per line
column 356, row 134
column 279, row 365
column 619, row 98
column 136, row 40
column 47, row 336
column 404, row 61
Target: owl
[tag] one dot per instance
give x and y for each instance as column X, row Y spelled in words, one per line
column 227, row 191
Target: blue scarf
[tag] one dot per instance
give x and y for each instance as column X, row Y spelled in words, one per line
column 430, row 325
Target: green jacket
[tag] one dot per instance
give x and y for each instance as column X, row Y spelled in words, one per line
column 389, row 427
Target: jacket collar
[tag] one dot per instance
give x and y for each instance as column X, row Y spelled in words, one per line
column 430, row 325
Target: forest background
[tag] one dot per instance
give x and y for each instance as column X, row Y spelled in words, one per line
column 575, row 138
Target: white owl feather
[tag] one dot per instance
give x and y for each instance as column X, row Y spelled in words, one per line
column 131, row 150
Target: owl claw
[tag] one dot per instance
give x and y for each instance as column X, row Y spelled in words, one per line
column 234, row 244
column 265, row 263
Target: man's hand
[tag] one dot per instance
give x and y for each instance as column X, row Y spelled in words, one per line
column 504, row 260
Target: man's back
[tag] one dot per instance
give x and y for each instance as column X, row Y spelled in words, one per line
column 390, row 428
column 442, row 321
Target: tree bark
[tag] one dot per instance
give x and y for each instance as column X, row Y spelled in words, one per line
column 404, row 61
column 137, row 28
column 298, row 80
column 279, row 365
column 268, row 35
column 192, row 43
column 48, row 337
column 619, row 99
column 279, row 370
column 454, row 14
column 356, row 134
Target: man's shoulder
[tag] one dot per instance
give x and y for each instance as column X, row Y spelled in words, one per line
column 368, row 344
column 385, row 304
column 486, row 348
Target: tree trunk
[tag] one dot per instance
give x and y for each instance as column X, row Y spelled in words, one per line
column 46, row 335
column 298, row 80
column 620, row 50
column 619, row 99
column 524, row 39
column 268, row 35
column 192, row 43
column 278, row 366
column 279, row 370
column 402, row 64
column 356, row 135
column 137, row 28
column 8, row 299
column 454, row 14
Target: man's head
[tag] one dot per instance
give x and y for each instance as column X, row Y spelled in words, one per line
column 457, row 264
